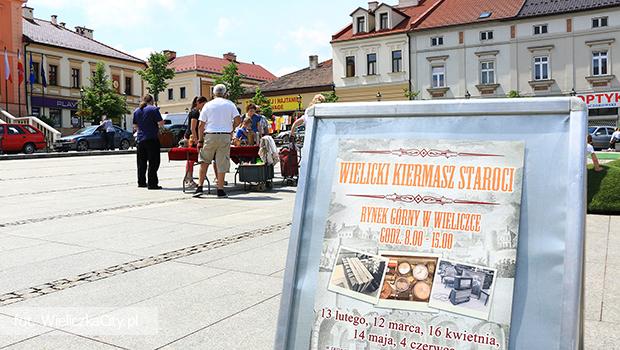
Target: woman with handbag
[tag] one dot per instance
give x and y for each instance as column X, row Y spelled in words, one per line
column 191, row 137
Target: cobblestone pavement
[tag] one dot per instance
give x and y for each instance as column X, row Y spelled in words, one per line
column 81, row 245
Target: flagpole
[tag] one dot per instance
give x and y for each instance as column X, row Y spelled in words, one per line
column 41, row 69
column 6, row 84
column 19, row 93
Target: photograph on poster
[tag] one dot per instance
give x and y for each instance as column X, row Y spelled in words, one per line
column 463, row 288
column 358, row 275
column 408, row 281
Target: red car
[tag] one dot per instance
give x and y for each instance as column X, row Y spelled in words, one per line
column 15, row 138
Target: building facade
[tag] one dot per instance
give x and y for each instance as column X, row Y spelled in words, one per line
column 484, row 49
column 64, row 60
column 11, row 39
column 371, row 54
column 291, row 94
column 195, row 77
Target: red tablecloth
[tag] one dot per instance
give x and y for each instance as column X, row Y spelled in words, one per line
column 236, row 153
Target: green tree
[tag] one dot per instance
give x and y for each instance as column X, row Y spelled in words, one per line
column 330, row 97
column 263, row 103
column 232, row 80
column 513, row 94
column 102, row 99
column 410, row 95
column 157, row 74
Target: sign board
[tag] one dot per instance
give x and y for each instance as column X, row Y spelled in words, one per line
column 52, row 102
column 438, row 225
column 601, row 99
column 280, row 103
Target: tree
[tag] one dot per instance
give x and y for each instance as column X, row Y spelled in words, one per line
column 263, row 103
column 513, row 94
column 330, row 97
column 156, row 74
column 101, row 98
column 410, row 95
column 232, row 80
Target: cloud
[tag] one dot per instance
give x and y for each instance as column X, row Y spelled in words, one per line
column 142, row 53
column 312, row 40
column 223, row 27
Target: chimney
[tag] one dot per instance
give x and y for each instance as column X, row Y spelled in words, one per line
column 372, row 5
column 230, row 56
column 63, row 24
column 171, row 55
column 407, row 3
column 85, row 32
column 54, row 20
column 28, row 12
column 314, row 62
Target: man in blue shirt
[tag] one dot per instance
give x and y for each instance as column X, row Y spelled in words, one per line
column 147, row 120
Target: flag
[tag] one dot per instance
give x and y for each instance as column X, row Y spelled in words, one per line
column 43, row 80
column 7, row 68
column 20, row 67
column 32, row 77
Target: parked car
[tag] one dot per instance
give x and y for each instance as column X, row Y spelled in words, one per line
column 284, row 137
column 15, row 138
column 601, row 135
column 175, row 118
column 92, row 137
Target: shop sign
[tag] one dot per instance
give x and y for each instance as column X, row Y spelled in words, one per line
column 51, row 102
column 601, row 100
column 281, row 103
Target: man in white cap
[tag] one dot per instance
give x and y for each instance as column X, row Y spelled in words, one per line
column 218, row 119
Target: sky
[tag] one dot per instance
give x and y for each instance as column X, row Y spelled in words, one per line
column 279, row 35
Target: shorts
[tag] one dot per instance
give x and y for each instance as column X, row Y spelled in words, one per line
column 216, row 146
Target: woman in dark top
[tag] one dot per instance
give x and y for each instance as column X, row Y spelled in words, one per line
column 191, row 135
column 147, row 120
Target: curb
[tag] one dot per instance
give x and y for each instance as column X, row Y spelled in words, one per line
column 69, row 154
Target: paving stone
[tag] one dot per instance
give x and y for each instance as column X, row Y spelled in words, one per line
column 61, row 340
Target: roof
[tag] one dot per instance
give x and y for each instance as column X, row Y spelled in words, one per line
column 413, row 14
column 305, row 78
column 216, row 65
column 550, row 7
column 46, row 33
column 456, row 12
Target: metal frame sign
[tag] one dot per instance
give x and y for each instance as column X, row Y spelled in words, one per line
column 438, row 225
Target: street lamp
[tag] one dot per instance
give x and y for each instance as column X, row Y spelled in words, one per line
column 378, row 96
column 186, row 110
column 467, row 95
column 573, row 92
column 82, row 106
column 299, row 102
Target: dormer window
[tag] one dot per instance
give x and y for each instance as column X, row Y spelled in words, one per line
column 383, row 21
column 361, row 24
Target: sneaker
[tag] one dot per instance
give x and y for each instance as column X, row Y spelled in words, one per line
column 190, row 185
column 198, row 191
column 142, row 185
column 221, row 194
column 155, row 188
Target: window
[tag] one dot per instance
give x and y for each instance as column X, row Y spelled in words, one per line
column 383, row 21
column 437, row 41
column 128, row 89
column 13, row 130
column 599, row 63
column 170, row 94
column 397, row 59
column 75, row 78
column 486, row 35
column 438, row 79
column 599, row 22
column 485, row 15
column 541, row 29
column 361, row 24
column 53, row 75
column 182, row 92
column 372, row 64
column 487, row 72
column 350, row 66
column 541, row 68
column 55, row 116
column 29, row 128
column 36, row 71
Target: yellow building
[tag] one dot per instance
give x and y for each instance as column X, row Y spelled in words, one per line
column 194, row 77
column 290, row 94
column 68, row 58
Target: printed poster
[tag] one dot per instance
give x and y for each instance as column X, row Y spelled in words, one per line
column 420, row 245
